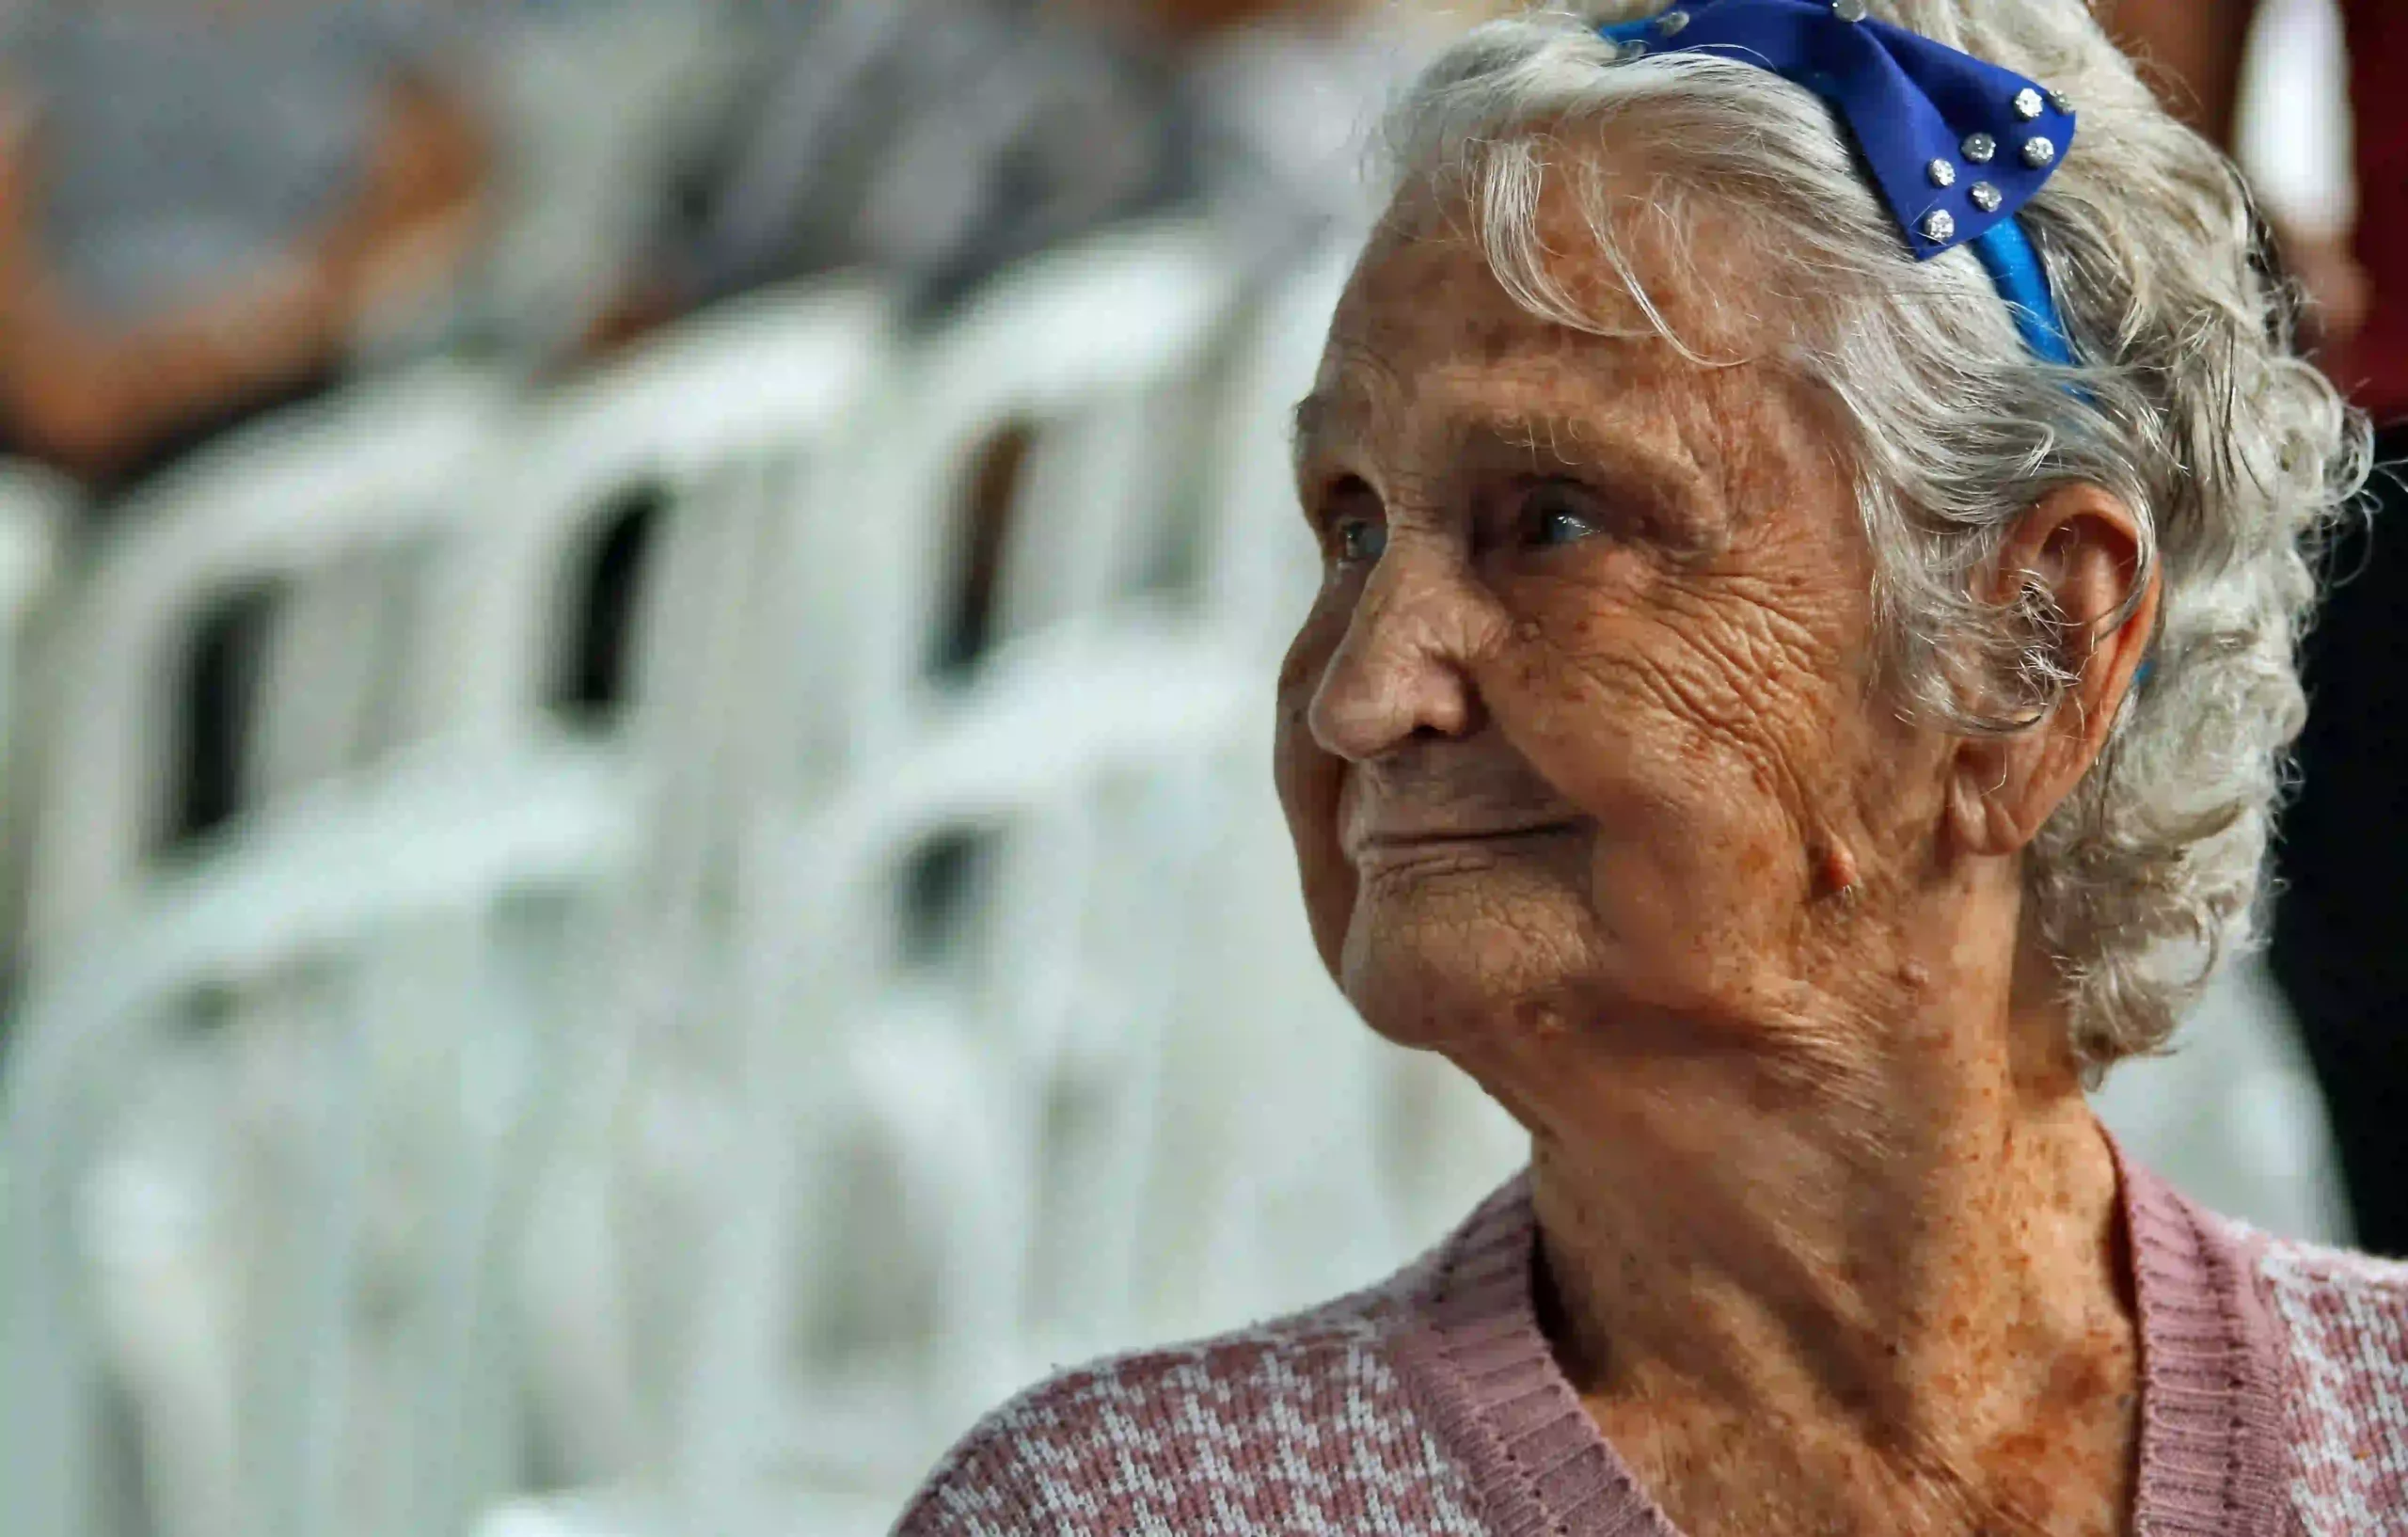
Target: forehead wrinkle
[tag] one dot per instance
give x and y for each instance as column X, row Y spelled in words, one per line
column 1661, row 464
column 1354, row 397
column 1732, row 439
column 1586, row 402
column 1434, row 379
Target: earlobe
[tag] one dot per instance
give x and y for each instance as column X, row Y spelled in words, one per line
column 2081, row 562
column 1988, row 811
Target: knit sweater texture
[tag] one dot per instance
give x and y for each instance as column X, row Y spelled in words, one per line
column 2273, row 1401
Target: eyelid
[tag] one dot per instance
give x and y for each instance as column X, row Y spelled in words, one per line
column 1335, row 498
column 1580, row 501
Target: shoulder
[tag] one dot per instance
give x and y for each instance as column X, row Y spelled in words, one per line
column 1303, row 1424
column 2340, row 1323
column 2335, row 1311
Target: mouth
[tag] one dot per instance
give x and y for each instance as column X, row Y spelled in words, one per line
column 1421, row 843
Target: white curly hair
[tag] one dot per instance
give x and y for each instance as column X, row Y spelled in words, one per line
column 2189, row 402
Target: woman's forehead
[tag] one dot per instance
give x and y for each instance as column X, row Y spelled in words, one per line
column 1437, row 292
column 1593, row 301
column 1427, row 339
column 1547, row 386
column 1430, row 359
column 1618, row 240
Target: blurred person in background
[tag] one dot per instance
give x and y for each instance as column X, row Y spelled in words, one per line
column 1818, row 504
column 200, row 213
column 2340, row 927
column 941, row 140
column 203, row 217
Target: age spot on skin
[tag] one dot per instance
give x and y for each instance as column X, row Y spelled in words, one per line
column 1538, row 1019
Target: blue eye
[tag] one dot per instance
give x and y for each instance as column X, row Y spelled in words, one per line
column 1360, row 540
column 1554, row 515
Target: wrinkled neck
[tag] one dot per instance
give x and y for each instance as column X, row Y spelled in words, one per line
column 1902, row 1273
column 1885, row 1202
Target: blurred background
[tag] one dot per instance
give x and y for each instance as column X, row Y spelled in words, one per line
column 637, row 866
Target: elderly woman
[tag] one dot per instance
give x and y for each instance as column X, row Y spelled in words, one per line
column 1818, row 504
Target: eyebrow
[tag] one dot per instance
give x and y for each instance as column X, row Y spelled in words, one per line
column 1691, row 511
column 1663, row 475
column 1309, row 427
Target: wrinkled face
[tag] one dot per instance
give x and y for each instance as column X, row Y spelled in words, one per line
column 1583, row 730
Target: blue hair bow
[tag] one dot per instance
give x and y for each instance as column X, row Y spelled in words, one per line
column 1955, row 146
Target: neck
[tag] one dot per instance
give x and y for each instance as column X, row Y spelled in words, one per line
column 1908, row 1248
column 1875, row 1271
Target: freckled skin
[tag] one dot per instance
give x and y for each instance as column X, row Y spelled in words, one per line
column 1830, row 1236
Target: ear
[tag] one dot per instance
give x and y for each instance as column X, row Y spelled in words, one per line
column 2082, row 549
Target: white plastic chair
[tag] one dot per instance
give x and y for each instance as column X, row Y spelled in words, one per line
column 1102, row 353
column 337, row 498
column 1261, row 568
column 37, row 511
column 726, row 423
column 434, row 1074
column 127, row 1254
column 325, row 501
column 958, row 1073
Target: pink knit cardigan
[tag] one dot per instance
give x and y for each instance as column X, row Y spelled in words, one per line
column 2274, row 1401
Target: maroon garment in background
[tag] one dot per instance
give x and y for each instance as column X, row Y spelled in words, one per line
column 2375, row 365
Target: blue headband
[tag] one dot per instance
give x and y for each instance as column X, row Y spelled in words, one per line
column 1955, row 146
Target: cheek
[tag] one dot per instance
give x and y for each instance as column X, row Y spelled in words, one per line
column 1695, row 767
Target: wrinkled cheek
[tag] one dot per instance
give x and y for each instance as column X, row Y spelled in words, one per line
column 1695, row 894
column 1693, row 861
column 1308, row 782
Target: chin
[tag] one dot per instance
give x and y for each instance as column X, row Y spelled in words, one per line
column 1435, row 969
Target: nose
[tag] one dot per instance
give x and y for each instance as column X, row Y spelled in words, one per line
column 1403, row 668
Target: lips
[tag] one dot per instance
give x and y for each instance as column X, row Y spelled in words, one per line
column 1413, row 840
column 1419, row 803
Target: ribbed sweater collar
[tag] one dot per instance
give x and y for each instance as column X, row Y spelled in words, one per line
column 2212, row 1454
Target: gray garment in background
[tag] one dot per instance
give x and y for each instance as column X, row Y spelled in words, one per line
column 940, row 140
column 177, row 159
column 934, row 139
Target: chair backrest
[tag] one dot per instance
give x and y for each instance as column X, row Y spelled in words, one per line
column 418, row 1021
column 289, row 1074
column 1260, row 568
column 693, row 456
column 1076, row 384
column 724, row 422
column 37, row 514
column 938, row 1127
column 710, row 443
column 323, row 504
